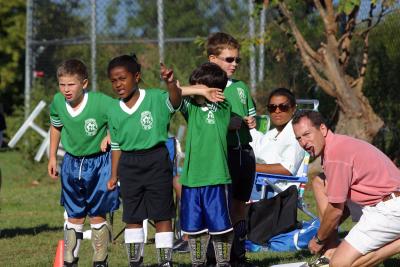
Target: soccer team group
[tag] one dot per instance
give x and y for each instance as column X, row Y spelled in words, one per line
column 218, row 172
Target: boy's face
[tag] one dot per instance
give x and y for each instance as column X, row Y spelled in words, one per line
column 222, row 59
column 71, row 86
column 123, row 82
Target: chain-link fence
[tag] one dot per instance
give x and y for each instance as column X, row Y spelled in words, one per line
column 174, row 32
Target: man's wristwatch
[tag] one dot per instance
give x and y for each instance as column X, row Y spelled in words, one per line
column 318, row 241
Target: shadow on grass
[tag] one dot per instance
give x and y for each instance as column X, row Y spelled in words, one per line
column 10, row 233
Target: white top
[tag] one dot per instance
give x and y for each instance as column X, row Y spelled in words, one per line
column 271, row 148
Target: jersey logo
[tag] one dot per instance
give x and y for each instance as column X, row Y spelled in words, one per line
column 146, row 120
column 242, row 95
column 210, row 117
column 91, row 127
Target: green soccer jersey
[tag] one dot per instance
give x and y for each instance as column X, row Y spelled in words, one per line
column 238, row 95
column 206, row 147
column 82, row 129
column 144, row 125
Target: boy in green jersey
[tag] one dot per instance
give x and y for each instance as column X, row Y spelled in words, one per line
column 205, row 177
column 223, row 50
column 79, row 119
column 139, row 124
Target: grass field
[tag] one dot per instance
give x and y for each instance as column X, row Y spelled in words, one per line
column 31, row 221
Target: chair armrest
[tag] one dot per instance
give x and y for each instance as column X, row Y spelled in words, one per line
column 261, row 178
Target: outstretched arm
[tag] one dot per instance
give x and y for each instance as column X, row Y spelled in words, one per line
column 211, row 94
column 175, row 93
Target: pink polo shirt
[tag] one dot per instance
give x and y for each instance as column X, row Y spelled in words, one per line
column 358, row 171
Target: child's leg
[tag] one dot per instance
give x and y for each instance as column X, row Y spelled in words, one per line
column 198, row 248
column 101, row 236
column 164, row 241
column 73, row 234
column 222, row 247
column 134, row 242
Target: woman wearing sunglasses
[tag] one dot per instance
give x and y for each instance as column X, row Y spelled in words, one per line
column 278, row 151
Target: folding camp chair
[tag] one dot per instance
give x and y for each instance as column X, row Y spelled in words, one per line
column 279, row 183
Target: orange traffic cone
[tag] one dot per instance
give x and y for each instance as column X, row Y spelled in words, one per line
column 59, row 259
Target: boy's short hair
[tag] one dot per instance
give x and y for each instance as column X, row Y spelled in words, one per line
column 209, row 74
column 219, row 41
column 73, row 67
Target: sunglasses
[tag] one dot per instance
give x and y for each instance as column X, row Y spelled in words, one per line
column 284, row 107
column 231, row 59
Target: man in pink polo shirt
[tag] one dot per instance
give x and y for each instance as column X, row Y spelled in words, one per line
column 357, row 171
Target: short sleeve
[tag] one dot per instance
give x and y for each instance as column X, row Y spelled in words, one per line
column 54, row 115
column 250, row 105
column 292, row 158
column 166, row 102
column 113, row 135
column 184, row 108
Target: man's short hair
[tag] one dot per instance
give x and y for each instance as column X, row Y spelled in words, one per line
column 209, row 74
column 219, row 41
column 314, row 116
column 73, row 67
column 283, row 92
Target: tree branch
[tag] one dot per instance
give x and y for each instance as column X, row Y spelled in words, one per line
column 345, row 41
column 297, row 34
column 311, row 59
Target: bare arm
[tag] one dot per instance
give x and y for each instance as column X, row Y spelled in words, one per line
column 175, row 93
column 105, row 142
column 211, row 94
column 276, row 168
column 112, row 183
column 329, row 224
column 55, row 136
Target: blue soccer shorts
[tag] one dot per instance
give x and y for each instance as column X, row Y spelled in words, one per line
column 84, row 186
column 205, row 209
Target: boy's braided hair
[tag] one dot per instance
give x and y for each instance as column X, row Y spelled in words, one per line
column 129, row 62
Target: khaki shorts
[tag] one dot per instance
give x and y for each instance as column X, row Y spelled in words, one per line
column 378, row 226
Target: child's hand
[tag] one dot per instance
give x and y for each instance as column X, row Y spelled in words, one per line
column 235, row 123
column 213, row 94
column 250, row 122
column 166, row 74
column 112, row 183
column 105, row 143
column 52, row 168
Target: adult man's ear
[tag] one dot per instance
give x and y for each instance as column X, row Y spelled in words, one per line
column 323, row 129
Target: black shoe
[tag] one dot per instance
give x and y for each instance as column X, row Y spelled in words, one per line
column 181, row 246
column 71, row 264
column 166, row 264
column 100, row 264
column 137, row 263
column 242, row 262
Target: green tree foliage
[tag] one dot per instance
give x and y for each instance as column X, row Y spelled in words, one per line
column 12, row 36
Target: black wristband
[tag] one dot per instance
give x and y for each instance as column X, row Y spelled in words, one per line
column 318, row 241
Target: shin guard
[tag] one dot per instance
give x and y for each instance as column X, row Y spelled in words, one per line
column 222, row 247
column 72, row 241
column 134, row 251
column 100, row 240
column 198, row 248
